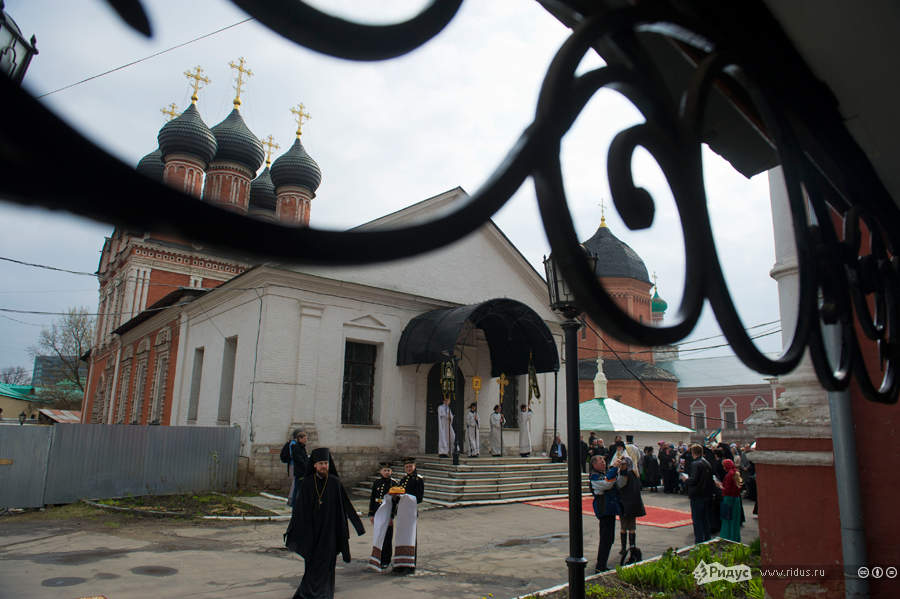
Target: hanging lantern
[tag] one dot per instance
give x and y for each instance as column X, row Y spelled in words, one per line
column 448, row 379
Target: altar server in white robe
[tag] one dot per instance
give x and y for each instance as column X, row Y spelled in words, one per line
column 525, row 431
column 473, row 439
column 446, row 435
column 497, row 422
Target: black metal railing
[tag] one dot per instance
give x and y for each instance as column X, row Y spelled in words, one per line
column 830, row 183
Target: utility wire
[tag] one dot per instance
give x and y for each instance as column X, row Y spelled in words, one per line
column 641, row 381
column 154, row 55
column 23, row 263
column 689, row 349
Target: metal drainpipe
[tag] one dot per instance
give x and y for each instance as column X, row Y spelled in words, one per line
column 846, row 471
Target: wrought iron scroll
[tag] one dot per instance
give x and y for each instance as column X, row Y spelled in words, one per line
column 841, row 282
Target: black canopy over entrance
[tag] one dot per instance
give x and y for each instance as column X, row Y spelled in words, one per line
column 512, row 329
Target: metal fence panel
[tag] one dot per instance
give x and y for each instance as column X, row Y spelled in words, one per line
column 23, row 465
column 102, row 460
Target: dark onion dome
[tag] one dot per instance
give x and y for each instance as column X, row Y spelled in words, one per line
column 237, row 144
column 296, row 167
column 658, row 304
column 262, row 192
column 614, row 257
column 152, row 165
column 187, row 134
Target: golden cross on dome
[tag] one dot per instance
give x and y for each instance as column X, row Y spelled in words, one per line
column 502, row 382
column 655, row 287
column 269, row 144
column 602, row 205
column 299, row 111
column 170, row 111
column 241, row 71
column 198, row 77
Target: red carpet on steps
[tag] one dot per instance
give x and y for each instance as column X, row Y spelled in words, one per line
column 656, row 516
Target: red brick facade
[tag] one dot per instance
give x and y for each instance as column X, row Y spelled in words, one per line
column 633, row 297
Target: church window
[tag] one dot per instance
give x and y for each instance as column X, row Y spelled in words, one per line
column 229, row 353
column 729, row 413
column 98, row 409
column 157, row 407
column 137, row 402
column 123, row 393
column 510, row 407
column 196, row 375
column 698, row 415
column 196, row 282
column 699, row 421
column 358, row 398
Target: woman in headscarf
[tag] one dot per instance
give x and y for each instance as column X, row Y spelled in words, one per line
column 632, row 505
column 732, row 510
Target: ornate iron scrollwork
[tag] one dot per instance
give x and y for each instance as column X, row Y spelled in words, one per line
column 841, row 282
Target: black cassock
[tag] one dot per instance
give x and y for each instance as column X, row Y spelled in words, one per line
column 318, row 532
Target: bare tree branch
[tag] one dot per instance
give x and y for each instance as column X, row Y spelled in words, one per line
column 15, row 375
column 67, row 339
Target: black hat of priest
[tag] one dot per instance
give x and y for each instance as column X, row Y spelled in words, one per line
column 409, row 460
column 384, row 465
column 319, row 454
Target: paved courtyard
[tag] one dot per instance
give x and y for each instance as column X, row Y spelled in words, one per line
column 507, row 550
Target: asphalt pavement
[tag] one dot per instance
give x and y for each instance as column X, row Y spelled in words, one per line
column 507, row 550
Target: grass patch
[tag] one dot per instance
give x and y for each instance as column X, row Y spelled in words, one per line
column 189, row 505
column 71, row 511
column 671, row 576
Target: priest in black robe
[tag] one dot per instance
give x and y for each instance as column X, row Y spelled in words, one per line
column 318, row 529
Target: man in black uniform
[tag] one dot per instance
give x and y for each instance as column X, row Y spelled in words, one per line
column 415, row 486
column 318, row 529
column 379, row 489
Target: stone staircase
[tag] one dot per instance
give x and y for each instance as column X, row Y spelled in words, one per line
column 484, row 480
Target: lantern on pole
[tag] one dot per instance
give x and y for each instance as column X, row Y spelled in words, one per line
column 448, row 379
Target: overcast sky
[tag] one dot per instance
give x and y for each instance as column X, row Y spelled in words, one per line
column 385, row 134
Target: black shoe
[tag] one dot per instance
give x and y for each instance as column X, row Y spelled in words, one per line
column 402, row 571
column 443, row 455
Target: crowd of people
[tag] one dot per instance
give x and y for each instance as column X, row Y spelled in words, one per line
column 715, row 477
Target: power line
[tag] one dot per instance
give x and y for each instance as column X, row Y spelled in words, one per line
column 134, row 62
column 33, row 324
column 756, row 326
column 23, row 263
column 640, row 380
column 693, row 349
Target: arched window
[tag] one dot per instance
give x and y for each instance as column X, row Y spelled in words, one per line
column 728, row 410
column 698, row 414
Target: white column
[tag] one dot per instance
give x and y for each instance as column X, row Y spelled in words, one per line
column 802, row 410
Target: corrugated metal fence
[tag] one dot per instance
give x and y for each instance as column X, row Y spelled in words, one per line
column 63, row 463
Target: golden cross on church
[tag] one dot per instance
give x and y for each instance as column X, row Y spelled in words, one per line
column 198, row 77
column 655, row 288
column 241, row 71
column 602, row 205
column 502, row 382
column 170, row 111
column 299, row 111
column 269, row 144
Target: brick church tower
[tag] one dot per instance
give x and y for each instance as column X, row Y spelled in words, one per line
column 624, row 276
column 141, row 271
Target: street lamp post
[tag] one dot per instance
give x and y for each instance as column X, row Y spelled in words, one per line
column 563, row 302
column 15, row 51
